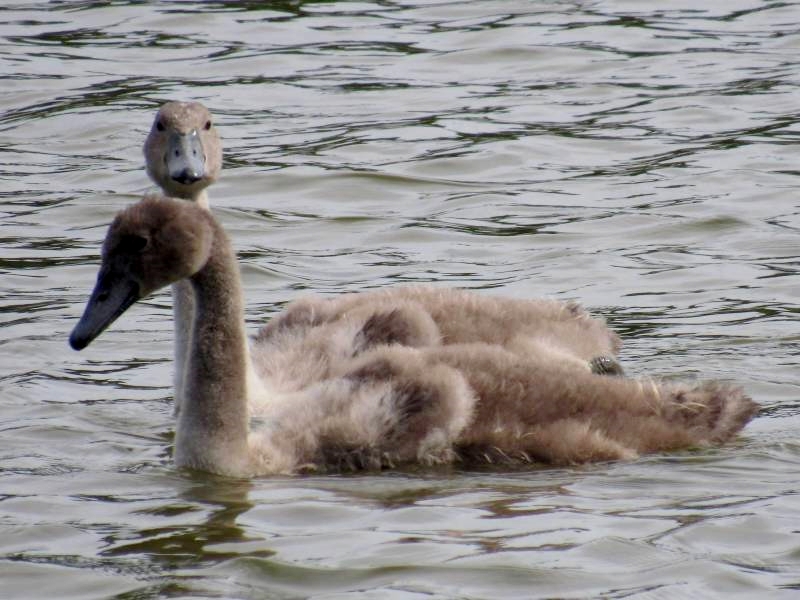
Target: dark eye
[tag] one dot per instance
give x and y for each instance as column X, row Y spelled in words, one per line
column 133, row 243
column 207, row 126
column 159, row 125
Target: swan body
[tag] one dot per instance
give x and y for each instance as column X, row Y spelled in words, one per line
column 183, row 156
column 400, row 376
column 430, row 316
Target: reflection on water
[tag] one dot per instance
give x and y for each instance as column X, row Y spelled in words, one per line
column 220, row 501
column 639, row 158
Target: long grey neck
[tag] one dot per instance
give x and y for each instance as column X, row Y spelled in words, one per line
column 212, row 428
column 183, row 317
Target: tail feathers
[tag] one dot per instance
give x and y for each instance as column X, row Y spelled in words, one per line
column 712, row 412
column 659, row 418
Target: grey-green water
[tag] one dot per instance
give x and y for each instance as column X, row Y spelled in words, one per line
column 641, row 157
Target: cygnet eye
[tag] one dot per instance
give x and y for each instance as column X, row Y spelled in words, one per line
column 134, row 243
column 207, row 126
column 159, row 125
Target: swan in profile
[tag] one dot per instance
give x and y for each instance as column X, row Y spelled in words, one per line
column 365, row 381
column 183, row 156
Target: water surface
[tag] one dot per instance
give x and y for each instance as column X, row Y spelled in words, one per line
column 639, row 157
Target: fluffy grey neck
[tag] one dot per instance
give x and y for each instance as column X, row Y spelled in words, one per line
column 212, row 428
column 183, row 317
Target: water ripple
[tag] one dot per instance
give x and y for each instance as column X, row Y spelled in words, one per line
column 640, row 159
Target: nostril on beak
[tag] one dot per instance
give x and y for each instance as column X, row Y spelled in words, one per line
column 187, row 176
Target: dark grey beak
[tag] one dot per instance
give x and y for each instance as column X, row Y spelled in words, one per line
column 111, row 297
column 185, row 158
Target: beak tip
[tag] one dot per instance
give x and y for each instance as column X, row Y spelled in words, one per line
column 107, row 302
column 187, row 177
column 77, row 342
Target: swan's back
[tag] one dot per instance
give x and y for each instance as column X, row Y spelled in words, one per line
column 421, row 316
